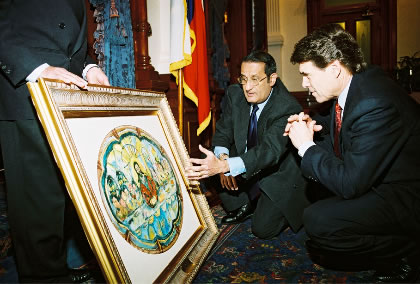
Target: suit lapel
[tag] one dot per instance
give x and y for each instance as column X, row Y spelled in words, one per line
column 352, row 97
column 265, row 115
column 82, row 35
column 244, row 114
column 348, row 108
column 332, row 122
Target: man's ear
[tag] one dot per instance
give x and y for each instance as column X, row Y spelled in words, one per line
column 273, row 78
column 335, row 67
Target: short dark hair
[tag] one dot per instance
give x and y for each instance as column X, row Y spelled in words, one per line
column 264, row 57
column 326, row 44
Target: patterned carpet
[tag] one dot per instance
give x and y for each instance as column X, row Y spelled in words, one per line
column 7, row 263
column 237, row 257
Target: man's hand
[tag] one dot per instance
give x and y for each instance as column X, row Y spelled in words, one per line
column 228, row 182
column 96, row 76
column 63, row 75
column 301, row 131
column 207, row 167
column 301, row 116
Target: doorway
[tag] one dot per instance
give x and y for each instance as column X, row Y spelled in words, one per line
column 371, row 22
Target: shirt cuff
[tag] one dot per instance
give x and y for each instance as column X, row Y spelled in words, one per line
column 236, row 166
column 36, row 73
column 219, row 150
column 305, row 146
column 87, row 68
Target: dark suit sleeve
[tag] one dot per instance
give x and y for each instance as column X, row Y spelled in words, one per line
column 372, row 141
column 274, row 146
column 89, row 60
column 323, row 137
column 223, row 135
column 25, row 46
column 17, row 60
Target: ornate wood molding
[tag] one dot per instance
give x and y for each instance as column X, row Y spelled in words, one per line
column 146, row 76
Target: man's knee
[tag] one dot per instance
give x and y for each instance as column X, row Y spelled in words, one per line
column 263, row 232
column 268, row 231
column 316, row 222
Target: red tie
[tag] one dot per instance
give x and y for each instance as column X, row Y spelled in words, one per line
column 337, row 129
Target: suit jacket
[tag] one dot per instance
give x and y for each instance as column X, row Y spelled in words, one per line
column 33, row 33
column 379, row 142
column 272, row 162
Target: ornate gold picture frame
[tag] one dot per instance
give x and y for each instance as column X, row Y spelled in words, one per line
column 123, row 159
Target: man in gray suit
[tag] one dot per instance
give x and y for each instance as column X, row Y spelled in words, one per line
column 38, row 39
column 257, row 163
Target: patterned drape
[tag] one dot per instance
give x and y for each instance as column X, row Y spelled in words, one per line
column 114, row 41
column 218, row 43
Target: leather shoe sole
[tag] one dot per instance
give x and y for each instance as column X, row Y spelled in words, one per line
column 403, row 272
column 337, row 261
column 79, row 275
column 235, row 220
column 238, row 216
column 73, row 276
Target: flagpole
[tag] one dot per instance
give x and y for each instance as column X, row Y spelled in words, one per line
column 180, row 102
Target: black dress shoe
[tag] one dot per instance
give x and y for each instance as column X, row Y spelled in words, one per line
column 79, row 275
column 239, row 215
column 72, row 276
column 337, row 260
column 403, row 272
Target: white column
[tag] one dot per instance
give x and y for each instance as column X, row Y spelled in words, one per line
column 274, row 37
column 158, row 16
column 293, row 23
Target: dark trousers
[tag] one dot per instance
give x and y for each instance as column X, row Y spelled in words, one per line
column 267, row 221
column 36, row 201
column 367, row 228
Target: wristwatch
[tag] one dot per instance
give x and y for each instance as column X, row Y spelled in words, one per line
column 223, row 156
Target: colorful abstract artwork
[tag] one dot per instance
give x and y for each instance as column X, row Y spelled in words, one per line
column 140, row 189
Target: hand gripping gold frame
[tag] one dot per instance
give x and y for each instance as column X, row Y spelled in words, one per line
column 55, row 102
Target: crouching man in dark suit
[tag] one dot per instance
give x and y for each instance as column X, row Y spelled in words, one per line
column 252, row 124
column 367, row 157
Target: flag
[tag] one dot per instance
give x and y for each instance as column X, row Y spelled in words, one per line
column 190, row 53
column 180, row 53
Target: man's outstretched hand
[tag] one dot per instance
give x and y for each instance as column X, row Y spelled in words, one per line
column 204, row 168
column 63, row 75
column 94, row 76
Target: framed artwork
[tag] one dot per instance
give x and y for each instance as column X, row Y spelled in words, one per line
column 123, row 159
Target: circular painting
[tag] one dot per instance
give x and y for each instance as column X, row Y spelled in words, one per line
column 139, row 189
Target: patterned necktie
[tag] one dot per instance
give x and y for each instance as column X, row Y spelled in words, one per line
column 252, row 129
column 254, row 190
column 337, row 129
